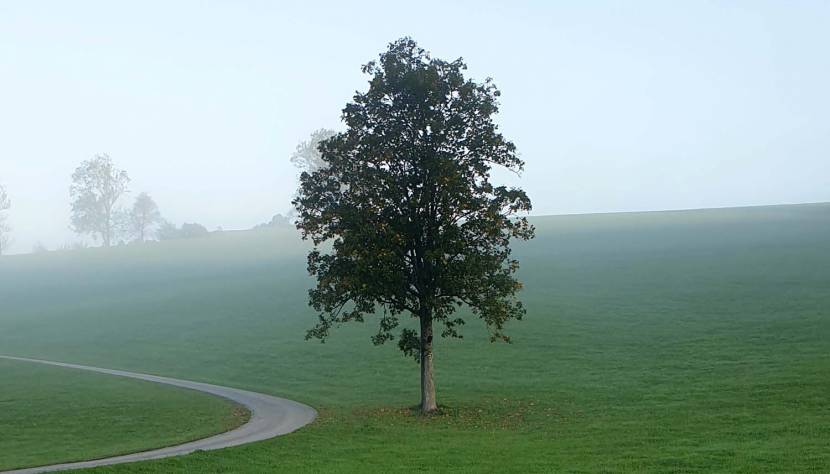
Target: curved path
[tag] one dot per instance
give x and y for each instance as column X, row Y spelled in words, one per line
column 270, row 417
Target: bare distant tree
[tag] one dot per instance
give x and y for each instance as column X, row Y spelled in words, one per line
column 96, row 186
column 144, row 217
column 307, row 157
column 5, row 228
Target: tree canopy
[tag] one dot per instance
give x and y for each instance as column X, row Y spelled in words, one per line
column 406, row 201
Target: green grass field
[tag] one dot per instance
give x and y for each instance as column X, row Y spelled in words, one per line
column 692, row 341
column 50, row 415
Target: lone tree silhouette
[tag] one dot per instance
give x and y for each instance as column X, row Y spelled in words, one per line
column 143, row 217
column 406, row 201
column 96, row 187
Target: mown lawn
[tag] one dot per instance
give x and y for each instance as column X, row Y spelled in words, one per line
column 50, row 415
column 692, row 341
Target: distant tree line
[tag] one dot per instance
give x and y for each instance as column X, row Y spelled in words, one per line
column 278, row 220
column 96, row 191
column 169, row 231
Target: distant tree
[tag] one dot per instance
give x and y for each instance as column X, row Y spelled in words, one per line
column 307, row 156
column 168, row 231
column 144, row 216
column 5, row 228
column 39, row 247
column 189, row 231
column 276, row 221
column 404, row 197
column 96, row 187
column 78, row 245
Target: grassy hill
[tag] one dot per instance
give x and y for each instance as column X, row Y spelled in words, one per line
column 666, row 341
column 50, row 415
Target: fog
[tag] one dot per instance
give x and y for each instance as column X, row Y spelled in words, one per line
column 613, row 107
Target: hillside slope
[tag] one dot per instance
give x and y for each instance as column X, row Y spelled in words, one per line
column 654, row 341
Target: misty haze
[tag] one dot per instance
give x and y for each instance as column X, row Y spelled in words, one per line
column 439, row 237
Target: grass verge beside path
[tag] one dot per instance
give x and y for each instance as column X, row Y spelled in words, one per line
column 52, row 415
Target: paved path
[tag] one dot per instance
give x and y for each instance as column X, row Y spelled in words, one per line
column 270, row 417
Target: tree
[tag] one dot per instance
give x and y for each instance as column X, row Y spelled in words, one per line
column 143, row 217
column 307, row 155
column 168, row 231
column 71, row 246
column 96, row 186
column 406, row 202
column 5, row 228
column 190, row 231
column 278, row 220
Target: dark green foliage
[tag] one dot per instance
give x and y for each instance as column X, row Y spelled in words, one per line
column 406, row 200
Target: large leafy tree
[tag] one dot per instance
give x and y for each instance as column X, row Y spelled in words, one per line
column 96, row 187
column 406, row 202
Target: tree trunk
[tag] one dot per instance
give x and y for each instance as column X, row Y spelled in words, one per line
column 105, row 235
column 428, row 403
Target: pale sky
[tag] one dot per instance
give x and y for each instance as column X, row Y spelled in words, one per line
column 615, row 106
